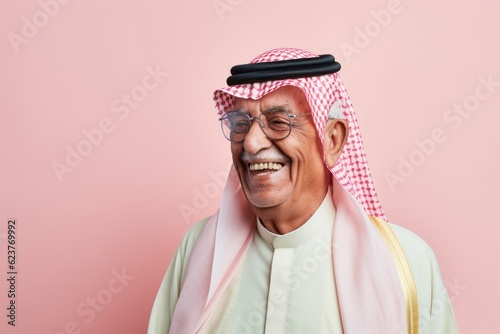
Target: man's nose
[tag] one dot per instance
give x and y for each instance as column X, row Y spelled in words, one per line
column 256, row 139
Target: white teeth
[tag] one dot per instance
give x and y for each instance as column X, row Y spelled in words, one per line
column 266, row 165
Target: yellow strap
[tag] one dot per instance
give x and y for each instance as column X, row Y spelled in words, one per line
column 404, row 271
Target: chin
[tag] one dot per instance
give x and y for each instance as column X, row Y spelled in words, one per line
column 265, row 201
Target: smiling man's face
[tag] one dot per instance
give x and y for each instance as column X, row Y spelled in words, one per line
column 295, row 174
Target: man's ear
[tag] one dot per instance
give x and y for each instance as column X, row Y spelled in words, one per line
column 335, row 136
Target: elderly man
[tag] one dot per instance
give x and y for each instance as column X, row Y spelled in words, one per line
column 300, row 243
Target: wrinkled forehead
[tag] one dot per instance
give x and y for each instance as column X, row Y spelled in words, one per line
column 225, row 97
column 289, row 98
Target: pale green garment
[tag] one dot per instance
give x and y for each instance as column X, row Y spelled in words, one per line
column 286, row 284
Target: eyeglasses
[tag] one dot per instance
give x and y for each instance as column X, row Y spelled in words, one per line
column 276, row 124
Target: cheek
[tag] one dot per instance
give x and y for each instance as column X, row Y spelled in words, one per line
column 306, row 150
column 235, row 151
column 310, row 159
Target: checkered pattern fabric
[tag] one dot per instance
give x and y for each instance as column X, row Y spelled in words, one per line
column 351, row 170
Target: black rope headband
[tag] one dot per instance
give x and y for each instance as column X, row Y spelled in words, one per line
column 283, row 69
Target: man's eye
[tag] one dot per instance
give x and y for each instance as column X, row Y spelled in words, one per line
column 239, row 126
column 278, row 120
column 278, row 123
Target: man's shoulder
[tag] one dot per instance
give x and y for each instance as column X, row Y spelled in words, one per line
column 192, row 235
column 194, row 232
column 418, row 253
column 410, row 240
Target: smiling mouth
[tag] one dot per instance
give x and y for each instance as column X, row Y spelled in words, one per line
column 273, row 166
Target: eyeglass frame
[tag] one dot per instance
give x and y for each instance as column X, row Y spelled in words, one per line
column 261, row 123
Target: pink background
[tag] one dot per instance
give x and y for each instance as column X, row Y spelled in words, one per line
column 119, row 208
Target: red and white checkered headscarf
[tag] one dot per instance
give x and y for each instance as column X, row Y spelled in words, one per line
column 369, row 291
column 351, row 170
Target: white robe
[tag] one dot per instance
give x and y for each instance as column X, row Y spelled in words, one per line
column 286, row 283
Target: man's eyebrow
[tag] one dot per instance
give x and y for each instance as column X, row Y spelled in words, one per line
column 277, row 108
